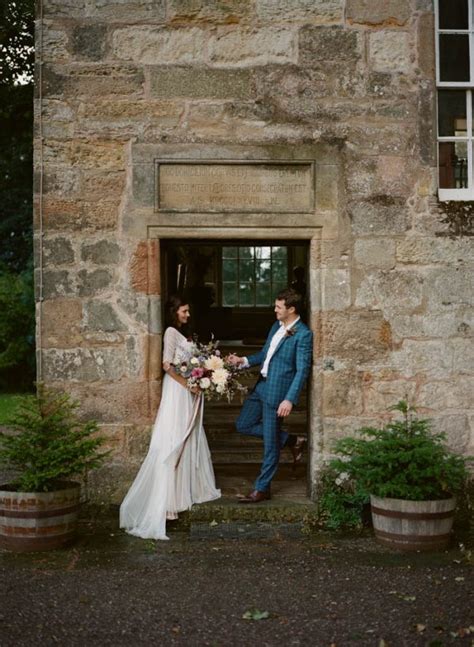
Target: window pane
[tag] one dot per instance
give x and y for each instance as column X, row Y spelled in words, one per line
column 453, row 14
column 229, row 270
column 247, row 272
column 279, row 271
column 262, row 271
column 453, row 165
column 454, row 57
column 452, row 113
column 264, row 297
column 229, row 252
column 246, row 252
column 246, row 294
column 229, row 296
column 263, row 252
column 277, row 287
column 279, row 252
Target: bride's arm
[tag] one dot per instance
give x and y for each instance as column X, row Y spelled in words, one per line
column 170, row 343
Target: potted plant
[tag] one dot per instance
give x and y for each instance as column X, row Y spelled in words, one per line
column 45, row 445
column 411, row 478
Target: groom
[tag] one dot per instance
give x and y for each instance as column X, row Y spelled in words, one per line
column 285, row 362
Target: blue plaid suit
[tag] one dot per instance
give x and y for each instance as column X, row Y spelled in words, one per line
column 286, row 376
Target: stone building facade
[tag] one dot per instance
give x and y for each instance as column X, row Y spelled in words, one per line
column 336, row 97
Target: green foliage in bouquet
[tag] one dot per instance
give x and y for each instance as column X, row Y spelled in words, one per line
column 48, row 442
column 402, row 460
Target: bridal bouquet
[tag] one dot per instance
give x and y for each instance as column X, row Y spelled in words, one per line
column 210, row 372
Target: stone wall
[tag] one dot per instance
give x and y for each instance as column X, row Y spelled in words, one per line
column 390, row 288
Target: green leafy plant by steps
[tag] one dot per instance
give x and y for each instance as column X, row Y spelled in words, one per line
column 47, row 443
column 341, row 501
column 402, row 460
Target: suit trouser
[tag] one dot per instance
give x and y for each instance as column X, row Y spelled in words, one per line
column 258, row 418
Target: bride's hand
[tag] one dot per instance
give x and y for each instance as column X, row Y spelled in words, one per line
column 166, row 366
column 195, row 389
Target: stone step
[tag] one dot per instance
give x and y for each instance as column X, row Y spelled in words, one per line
column 239, row 478
column 226, row 518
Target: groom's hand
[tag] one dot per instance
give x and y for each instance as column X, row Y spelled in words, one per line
column 285, row 408
column 235, row 360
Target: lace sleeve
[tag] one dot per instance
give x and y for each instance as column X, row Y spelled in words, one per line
column 170, row 343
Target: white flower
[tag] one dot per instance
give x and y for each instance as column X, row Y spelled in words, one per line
column 213, row 363
column 220, row 388
column 183, row 369
column 219, row 376
column 194, row 361
column 204, row 383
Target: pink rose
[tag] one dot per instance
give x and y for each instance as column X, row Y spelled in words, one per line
column 197, row 372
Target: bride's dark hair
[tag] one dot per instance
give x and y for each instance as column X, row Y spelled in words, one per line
column 174, row 303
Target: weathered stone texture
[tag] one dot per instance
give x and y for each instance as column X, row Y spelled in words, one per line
column 382, row 12
column 346, row 84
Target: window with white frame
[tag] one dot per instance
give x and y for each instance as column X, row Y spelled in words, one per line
column 455, row 81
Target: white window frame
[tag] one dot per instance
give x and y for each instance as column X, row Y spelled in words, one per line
column 468, row 192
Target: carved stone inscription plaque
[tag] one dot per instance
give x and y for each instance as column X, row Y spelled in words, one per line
column 239, row 187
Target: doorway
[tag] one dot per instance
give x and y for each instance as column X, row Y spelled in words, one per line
column 231, row 286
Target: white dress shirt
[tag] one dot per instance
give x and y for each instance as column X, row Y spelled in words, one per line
column 276, row 339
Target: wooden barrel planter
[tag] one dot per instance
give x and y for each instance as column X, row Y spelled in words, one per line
column 413, row 525
column 32, row 521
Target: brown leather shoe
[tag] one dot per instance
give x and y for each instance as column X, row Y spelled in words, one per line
column 255, row 497
column 297, row 449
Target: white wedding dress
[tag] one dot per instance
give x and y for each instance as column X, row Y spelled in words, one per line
column 160, row 490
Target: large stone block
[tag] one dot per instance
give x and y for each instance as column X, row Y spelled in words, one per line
column 380, row 216
column 201, row 83
column 247, row 47
column 138, row 441
column 345, row 427
column 456, row 322
column 305, row 11
column 330, row 289
column 452, row 394
column 101, row 252
column 426, row 45
column 429, row 251
column 89, row 42
column 56, row 283
column 102, row 316
column 54, row 42
column 380, row 395
column 376, row 253
column 448, row 287
column 107, row 186
column 57, row 251
column 61, row 323
column 186, row 12
column 456, row 428
column 84, row 364
column 73, row 215
column 151, row 45
column 389, row 51
column 153, row 11
column 329, row 44
column 87, row 80
column 120, row 402
column 356, row 336
column 391, row 291
column 91, row 283
column 69, row 8
column 134, row 305
column 97, row 154
column 382, row 12
column 342, row 393
column 431, row 358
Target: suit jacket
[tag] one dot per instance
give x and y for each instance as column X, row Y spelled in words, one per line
column 289, row 366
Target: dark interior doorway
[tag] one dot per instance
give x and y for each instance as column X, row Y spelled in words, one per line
column 231, row 286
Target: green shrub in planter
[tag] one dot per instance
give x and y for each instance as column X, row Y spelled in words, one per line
column 402, row 460
column 48, row 443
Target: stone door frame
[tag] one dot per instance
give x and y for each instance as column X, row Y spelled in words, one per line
column 312, row 236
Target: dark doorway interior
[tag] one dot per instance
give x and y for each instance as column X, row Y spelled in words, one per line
column 231, row 286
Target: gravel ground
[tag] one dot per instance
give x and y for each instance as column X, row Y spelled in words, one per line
column 112, row 589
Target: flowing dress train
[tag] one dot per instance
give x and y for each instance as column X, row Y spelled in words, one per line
column 160, row 490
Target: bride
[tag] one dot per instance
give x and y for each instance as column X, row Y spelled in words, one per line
column 177, row 470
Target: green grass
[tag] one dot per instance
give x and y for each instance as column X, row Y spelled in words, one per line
column 8, row 404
